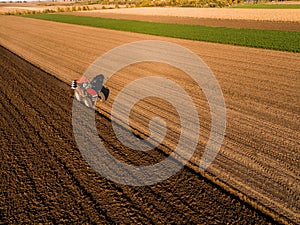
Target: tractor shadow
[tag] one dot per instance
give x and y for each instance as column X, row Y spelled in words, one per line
column 97, row 85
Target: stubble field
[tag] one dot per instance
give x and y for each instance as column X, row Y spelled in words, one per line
column 259, row 158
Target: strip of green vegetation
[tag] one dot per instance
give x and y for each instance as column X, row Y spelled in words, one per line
column 269, row 39
column 268, row 6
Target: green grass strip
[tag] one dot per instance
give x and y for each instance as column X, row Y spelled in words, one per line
column 267, row 6
column 268, row 39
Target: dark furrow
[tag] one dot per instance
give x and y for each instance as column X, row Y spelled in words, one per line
column 19, row 125
column 41, row 138
column 56, row 128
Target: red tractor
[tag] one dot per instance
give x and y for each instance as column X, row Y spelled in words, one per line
column 87, row 91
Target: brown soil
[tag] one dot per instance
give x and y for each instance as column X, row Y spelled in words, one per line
column 44, row 179
column 215, row 22
column 258, row 160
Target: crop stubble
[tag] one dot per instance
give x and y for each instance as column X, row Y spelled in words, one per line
column 259, row 155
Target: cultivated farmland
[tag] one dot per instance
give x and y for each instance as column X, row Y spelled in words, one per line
column 258, row 161
column 216, row 22
column 269, row 39
column 236, row 18
column 291, row 15
column 44, row 179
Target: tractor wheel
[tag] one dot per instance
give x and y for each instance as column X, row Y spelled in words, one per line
column 87, row 101
column 77, row 96
column 101, row 97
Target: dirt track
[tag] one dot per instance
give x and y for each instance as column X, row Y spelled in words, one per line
column 216, row 22
column 258, row 160
column 44, row 179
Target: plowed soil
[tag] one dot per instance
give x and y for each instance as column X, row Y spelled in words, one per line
column 258, row 160
column 44, row 179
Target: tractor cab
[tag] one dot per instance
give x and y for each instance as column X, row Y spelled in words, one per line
column 89, row 91
column 83, row 82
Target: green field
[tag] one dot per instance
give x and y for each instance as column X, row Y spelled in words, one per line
column 268, row 39
column 268, row 6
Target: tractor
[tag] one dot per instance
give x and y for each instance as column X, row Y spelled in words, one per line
column 88, row 91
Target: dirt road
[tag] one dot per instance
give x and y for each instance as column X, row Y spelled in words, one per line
column 44, row 179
